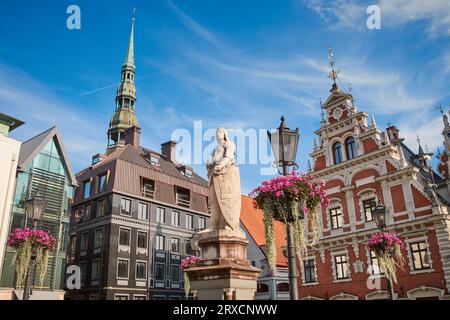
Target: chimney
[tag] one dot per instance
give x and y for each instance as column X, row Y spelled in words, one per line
column 168, row 150
column 133, row 137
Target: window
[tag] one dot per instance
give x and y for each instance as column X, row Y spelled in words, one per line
column 101, row 183
column 148, row 188
column 98, row 238
column 182, row 197
column 139, row 297
column 124, row 237
column 154, row 161
column 175, row 273
column 159, row 243
column 87, row 212
column 262, row 287
column 73, row 244
column 188, row 247
column 369, row 206
column 283, row 287
column 189, row 221
column 83, row 271
column 142, row 240
column 123, row 268
column 175, row 218
column 336, row 218
column 121, row 297
column 419, row 254
column 141, row 270
column 101, row 208
column 375, row 264
column 310, row 271
column 84, row 241
column 337, row 153
column 175, row 245
column 159, row 271
column 125, row 207
column 143, row 211
column 340, row 262
column 160, row 215
column 86, row 189
column 350, row 146
column 96, row 269
column 201, row 223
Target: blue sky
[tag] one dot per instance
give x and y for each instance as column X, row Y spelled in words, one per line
column 238, row 64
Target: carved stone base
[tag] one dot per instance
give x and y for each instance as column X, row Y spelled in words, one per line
column 224, row 273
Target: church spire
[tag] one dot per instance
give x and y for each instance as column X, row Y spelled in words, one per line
column 124, row 116
column 129, row 59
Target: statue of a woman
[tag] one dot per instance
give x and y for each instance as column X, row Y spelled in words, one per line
column 224, row 184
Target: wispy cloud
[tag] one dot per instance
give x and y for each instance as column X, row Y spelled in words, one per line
column 352, row 13
column 37, row 104
column 194, row 26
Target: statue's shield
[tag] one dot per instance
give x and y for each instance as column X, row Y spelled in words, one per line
column 228, row 191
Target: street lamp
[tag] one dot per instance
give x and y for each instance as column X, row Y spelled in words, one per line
column 284, row 143
column 379, row 215
column 193, row 241
column 34, row 209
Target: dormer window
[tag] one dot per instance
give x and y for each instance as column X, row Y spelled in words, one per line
column 182, row 197
column 188, row 172
column 337, row 153
column 148, row 188
column 153, row 159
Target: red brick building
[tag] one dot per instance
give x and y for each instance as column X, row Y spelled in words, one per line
column 364, row 164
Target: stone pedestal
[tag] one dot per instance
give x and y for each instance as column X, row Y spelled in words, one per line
column 224, row 272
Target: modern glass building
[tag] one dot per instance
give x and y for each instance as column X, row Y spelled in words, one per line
column 43, row 167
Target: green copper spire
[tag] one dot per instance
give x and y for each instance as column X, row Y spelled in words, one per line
column 129, row 59
column 124, row 117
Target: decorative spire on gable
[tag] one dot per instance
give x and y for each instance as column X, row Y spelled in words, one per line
column 333, row 73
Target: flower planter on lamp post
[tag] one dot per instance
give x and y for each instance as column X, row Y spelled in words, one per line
column 386, row 246
column 291, row 199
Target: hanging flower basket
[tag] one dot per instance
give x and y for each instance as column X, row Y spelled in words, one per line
column 290, row 199
column 186, row 263
column 387, row 247
column 30, row 243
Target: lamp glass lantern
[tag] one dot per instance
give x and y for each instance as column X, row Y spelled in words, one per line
column 379, row 215
column 284, row 142
column 35, row 207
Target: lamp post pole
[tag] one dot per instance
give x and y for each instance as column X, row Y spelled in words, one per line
column 34, row 208
column 284, row 144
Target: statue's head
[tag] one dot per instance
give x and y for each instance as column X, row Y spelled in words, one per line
column 221, row 135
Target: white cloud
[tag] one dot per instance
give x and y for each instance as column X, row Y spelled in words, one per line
column 428, row 128
column 36, row 103
column 351, row 13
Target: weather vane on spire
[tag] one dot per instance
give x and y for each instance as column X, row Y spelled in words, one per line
column 331, row 63
column 439, row 107
column 134, row 12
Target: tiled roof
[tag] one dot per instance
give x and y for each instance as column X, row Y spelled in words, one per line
column 130, row 154
column 253, row 221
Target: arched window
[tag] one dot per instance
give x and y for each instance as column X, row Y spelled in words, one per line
column 283, row 287
column 337, row 153
column 350, row 146
column 262, row 287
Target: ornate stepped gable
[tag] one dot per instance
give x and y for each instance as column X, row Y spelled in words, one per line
column 364, row 164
